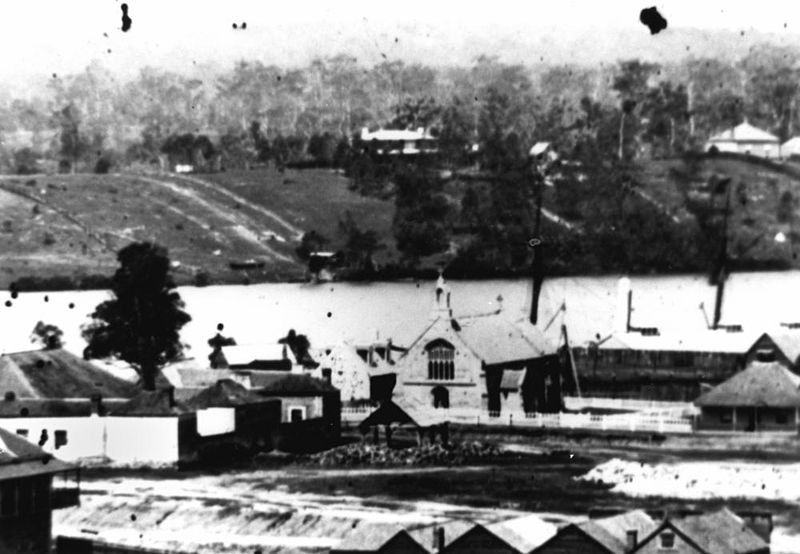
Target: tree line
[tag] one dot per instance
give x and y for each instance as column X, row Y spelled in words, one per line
column 256, row 113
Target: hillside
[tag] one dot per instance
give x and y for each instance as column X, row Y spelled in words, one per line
column 71, row 226
column 756, row 218
column 68, row 228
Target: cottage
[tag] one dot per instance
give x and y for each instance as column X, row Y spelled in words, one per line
column 27, row 495
column 311, row 409
column 721, row 532
column 358, row 371
column 745, row 139
column 617, row 534
column 763, row 397
column 464, row 362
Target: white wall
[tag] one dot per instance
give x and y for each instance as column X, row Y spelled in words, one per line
column 142, row 440
column 126, row 440
column 84, row 434
column 216, row 421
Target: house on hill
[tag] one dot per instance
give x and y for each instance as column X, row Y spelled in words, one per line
column 399, row 142
column 720, row 532
column 619, row 534
column 245, row 356
column 27, row 495
column 464, row 362
column 745, row 139
column 763, row 397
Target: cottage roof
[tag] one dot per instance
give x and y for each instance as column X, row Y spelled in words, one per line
column 370, row 537
column 20, row 458
column 153, row 403
column 453, row 530
column 284, row 382
column 759, row 384
column 246, row 354
column 524, row 533
column 404, row 411
column 224, row 394
column 720, row 531
column 58, row 373
column 612, row 531
column 744, row 132
column 791, row 146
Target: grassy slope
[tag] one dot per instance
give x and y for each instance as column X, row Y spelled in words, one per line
column 83, row 220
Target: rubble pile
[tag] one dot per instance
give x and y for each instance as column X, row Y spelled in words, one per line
column 362, row 454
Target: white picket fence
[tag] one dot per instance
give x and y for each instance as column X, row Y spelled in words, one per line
column 633, row 404
column 635, row 421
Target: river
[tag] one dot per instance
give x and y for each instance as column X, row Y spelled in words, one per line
column 328, row 313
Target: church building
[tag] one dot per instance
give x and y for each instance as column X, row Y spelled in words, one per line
column 484, row 361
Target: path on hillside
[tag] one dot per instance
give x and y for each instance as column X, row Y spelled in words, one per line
column 243, row 226
column 296, row 231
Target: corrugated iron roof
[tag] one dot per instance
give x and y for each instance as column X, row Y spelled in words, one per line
column 152, row 403
column 370, row 537
column 20, row 458
column 695, row 341
column 225, row 394
column 612, row 531
column 759, row 384
column 721, row 531
column 244, row 354
column 524, row 533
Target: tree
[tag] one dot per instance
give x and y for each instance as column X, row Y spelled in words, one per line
column 73, row 144
column 140, row 324
column 631, row 83
column 360, row 245
column 47, row 336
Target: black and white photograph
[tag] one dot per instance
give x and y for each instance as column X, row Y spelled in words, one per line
column 418, row 277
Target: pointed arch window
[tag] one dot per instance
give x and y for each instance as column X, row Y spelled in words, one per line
column 441, row 360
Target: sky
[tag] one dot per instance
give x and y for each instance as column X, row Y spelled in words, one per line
column 42, row 37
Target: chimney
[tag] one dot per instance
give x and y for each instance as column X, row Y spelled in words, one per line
column 389, row 351
column 622, row 313
column 364, row 133
column 438, row 538
column 97, row 404
column 371, row 356
column 171, row 396
column 632, row 540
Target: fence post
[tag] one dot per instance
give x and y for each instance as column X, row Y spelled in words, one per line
column 510, row 419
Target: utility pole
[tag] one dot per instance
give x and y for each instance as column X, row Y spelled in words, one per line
column 536, row 243
column 721, row 269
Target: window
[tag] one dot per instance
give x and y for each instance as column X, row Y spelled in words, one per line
column 22, row 432
column 780, row 418
column 726, row 416
column 667, row 540
column 441, row 361
column 297, row 413
column 61, row 438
